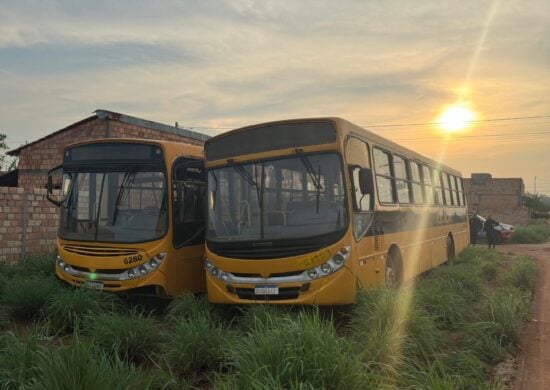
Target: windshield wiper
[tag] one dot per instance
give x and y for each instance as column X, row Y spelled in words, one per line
column 315, row 178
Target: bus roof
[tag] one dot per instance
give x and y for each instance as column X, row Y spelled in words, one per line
column 192, row 150
column 348, row 128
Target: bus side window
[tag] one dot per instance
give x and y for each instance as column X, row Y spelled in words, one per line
column 189, row 210
column 385, row 182
column 402, row 179
column 416, row 183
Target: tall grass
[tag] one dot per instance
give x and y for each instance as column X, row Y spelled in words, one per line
column 301, row 352
column 132, row 336
column 532, row 234
column 188, row 306
column 24, row 297
column 522, row 273
column 80, row 366
column 195, row 348
column 18, row 358
column 67, row 309
column 39, row 265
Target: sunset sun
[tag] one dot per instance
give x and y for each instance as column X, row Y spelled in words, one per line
column 455, row 118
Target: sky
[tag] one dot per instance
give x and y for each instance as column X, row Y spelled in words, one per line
column 217, row 65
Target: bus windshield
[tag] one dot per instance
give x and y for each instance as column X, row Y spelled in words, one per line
column 115, row 206
column 287, row 198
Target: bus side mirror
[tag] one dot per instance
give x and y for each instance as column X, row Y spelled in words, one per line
column 365, row 181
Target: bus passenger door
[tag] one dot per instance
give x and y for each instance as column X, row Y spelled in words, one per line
column 362, row 197
column 189, row 221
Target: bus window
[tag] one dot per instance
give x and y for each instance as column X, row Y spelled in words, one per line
column 437, row 187
column 416, row 183
column 189, row 210
column 427, row 180
column 384, row 180
column 460, row 193
column 446, row 189
column 402, row 181
column 453, row 189
column 357, row 155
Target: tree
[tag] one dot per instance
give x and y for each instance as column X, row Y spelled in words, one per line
column 7, row 163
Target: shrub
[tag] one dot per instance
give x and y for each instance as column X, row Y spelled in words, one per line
column 195, row 347
column 507, row 308
column 300, row 352
column 79, row 366
column 532, row 234
column 67, row 308
column 522, row 273
column 440, row 298
column 18, row 359
column 24, row 297
column 131, row 336
column 39, row 265
column 189, row 306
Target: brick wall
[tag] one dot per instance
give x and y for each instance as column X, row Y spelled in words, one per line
column 36, row 159
column 28, row 223
column 499, row 197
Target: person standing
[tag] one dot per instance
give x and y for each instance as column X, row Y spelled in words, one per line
column 490, row 224
column 474, row 229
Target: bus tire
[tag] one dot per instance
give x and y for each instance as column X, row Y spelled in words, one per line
column 393, row 269
column 451, row 255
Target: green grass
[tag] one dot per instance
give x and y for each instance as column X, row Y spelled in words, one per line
column 67, row 309
column 80, row 366
column 24, row 297
column 132, row 336
column 531, row 234
column 300, row 352
column 196, row 348
column 522, row 273
column 446, row 330
column 18, row 356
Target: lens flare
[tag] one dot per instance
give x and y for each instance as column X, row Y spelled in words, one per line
column 455, row 118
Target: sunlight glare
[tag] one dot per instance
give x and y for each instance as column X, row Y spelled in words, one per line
column 455, row 118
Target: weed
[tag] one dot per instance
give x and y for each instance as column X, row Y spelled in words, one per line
column 189, row 306
column 39, row 265
column 507, row 308
column 488, row 271
column 131, row 336
column 79, row 366
column 196, row 347
column 522, row 273
column 300, row 352
column 25, row 297
column 532, row 234
column 18, row 359
column 67, row 308
column 438, row 296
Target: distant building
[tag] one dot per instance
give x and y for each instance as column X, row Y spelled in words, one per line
column 37, row 157
column 499, row 197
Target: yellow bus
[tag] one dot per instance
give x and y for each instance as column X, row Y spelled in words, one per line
column 132, row 216
column 309, row 211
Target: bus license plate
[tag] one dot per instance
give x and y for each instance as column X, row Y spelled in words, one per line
column 93, row 285
column 266, row 290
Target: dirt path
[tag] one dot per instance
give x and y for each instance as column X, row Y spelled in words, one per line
column 534, row 359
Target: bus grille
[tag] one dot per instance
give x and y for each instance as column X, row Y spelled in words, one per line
column 96, row 251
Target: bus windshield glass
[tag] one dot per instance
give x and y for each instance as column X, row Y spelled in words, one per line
column 287, row 198
column 115, row 206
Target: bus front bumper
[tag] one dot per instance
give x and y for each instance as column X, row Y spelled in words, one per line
column 336, row 289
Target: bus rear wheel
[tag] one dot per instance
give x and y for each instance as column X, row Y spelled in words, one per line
column 450, row 250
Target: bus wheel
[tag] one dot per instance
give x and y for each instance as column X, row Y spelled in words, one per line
column 450, row 250
column 392, row 271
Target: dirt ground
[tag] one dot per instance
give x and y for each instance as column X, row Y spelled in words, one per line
column 533, row 361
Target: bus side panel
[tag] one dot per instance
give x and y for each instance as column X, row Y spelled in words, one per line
column 185, row 273
column 369, row 263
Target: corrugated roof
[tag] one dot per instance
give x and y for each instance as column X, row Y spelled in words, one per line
column 101, row 114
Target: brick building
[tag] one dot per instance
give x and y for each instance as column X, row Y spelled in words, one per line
column 28, row 221
column 36, row 158
column 501, row 198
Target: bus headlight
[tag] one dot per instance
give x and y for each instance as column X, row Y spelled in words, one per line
column 147, row 267
column 330, row 266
